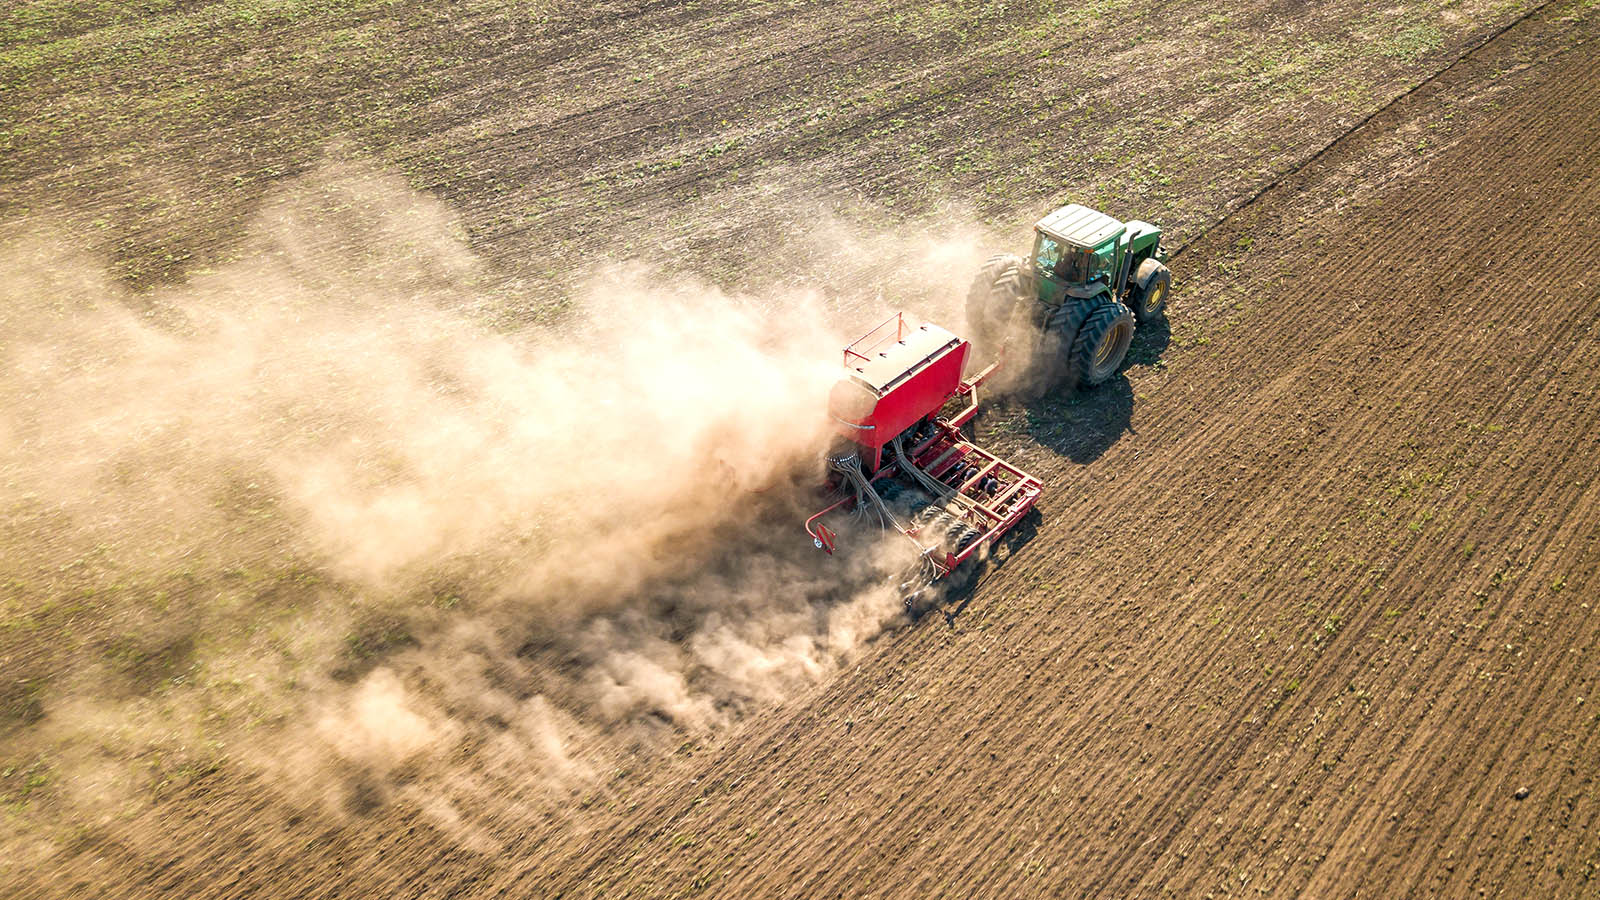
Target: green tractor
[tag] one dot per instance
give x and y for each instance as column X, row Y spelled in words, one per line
column 1089, row 282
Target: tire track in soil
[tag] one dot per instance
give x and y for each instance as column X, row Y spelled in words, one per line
column 1311, row 688
column 1416, row 375
column 954, row 811
column 1490, row 750
column 1412, row 558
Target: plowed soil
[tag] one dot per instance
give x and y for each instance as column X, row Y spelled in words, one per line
column 1310, row 607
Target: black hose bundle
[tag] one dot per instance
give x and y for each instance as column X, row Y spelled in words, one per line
column 939, row 490
column 867, row 497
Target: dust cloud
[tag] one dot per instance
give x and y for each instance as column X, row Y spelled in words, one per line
column 336, row 497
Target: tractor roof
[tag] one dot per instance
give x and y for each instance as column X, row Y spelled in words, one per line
column 1080, row 225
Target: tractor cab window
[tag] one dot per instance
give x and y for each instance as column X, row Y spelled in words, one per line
column 1100, row 259
column 1073, row 264
column 1048, row 254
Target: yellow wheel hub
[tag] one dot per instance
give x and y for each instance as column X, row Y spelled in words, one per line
column 1108, row 347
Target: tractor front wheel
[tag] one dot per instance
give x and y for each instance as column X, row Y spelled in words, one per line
column 1151, row 284
column 1101, row 344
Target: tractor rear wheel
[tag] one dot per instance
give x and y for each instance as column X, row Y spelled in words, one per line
column 1100, row 344
column 1151, row 284
column 1000, row 287
column 1055, row 346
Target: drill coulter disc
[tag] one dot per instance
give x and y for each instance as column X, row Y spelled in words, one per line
column 916, row 585
column 967, row 537
column 952, row 531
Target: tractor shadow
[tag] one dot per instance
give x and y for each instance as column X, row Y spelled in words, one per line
column 1149, row 342
column 1082, row 425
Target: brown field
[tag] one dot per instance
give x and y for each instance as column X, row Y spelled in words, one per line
column 1308, row 609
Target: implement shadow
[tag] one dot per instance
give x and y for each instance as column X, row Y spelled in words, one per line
column 1080, row 425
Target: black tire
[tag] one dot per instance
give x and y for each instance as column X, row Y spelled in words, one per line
column 997, row 290
column 952, row 532
column 1151, row 285
column 1055, row 348
column 1062, row 325
column 889, row 489
column 1101, row 343
column 967, row 537
column 932, row 524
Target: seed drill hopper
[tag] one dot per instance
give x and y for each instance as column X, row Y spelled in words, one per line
column 901, row 459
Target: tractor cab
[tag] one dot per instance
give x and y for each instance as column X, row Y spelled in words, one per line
column 1072, row 264
column 1076, row 252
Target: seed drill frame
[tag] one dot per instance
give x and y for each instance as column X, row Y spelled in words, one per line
column 899, row 410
